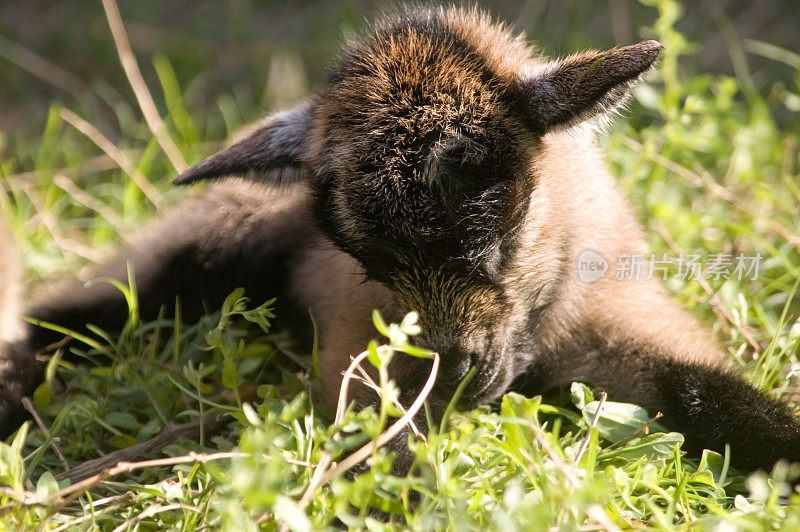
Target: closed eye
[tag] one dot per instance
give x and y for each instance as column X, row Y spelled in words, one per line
column 455, row 158
column 464, row 151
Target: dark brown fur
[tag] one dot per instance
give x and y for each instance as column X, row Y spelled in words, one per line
column 443, row 167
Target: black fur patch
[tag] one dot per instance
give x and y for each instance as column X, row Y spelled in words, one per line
column 712, row 407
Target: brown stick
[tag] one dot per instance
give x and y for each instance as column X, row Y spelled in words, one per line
column 212, row 423
column 146, row 103
column 43, row 69
column 28, row 405
column 116, row 154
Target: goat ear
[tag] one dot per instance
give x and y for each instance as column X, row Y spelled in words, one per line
column 271, row 153
column 586, row 85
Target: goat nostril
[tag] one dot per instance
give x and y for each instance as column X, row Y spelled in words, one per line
column 458, row 364
column 456, row 361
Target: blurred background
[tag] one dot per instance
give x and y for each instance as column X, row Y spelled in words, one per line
column 257, row 55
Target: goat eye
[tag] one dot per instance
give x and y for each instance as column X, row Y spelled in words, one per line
column 453, row 179
column 458, row 169
column 462, row 177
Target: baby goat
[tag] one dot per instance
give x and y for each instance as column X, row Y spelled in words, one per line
column 443, row 167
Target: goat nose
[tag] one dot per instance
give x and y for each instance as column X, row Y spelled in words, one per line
column 456, row 362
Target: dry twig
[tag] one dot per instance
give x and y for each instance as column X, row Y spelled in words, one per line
column 116, row 155
column 717, row 306
column 143, row 96
column 87, row 200
column 325, row 471
column 212, row 423
column 28, row 405
column 595, row 419
column 44, row 216
column 64, row 496
column 389, row 434
column 43, row 69
column 152, row 510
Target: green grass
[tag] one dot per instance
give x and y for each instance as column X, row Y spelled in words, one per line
column 711, row 164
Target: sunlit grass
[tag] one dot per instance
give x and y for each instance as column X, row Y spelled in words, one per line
column 711, row 165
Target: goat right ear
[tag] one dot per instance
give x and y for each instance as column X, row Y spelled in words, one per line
column 272, row 153
column 584, row 86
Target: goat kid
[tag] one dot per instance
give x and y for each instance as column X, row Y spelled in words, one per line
column 443, row 167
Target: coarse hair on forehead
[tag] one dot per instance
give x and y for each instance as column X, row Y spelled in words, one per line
column 452, row 38
column 420, row 83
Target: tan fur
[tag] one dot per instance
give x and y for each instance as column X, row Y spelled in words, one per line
column 332, row 285
column 10, row 289
column 577, row 206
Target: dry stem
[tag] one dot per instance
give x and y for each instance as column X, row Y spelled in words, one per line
column 146, row 103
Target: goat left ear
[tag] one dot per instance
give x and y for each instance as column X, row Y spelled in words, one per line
column 584, row 85
column 272, row 153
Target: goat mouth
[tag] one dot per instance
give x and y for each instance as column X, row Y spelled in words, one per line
column 489, row 373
